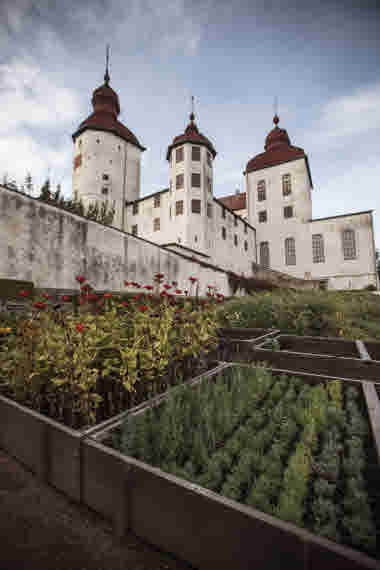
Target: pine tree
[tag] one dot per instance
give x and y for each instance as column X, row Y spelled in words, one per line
column 45, row 190
column 29, row 184
column 57, row 193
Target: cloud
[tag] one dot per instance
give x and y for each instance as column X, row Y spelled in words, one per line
column 348, row 116
column 28, row 97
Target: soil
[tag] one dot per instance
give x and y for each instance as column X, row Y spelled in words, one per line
column 40, row 529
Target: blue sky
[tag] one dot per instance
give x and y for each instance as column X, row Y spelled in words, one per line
column 322, row 61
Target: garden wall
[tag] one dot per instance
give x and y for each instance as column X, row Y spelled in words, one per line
column 49, row 246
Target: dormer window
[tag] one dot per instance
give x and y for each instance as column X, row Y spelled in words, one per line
column 195, row 153
column 286, row 185
column 179, row 154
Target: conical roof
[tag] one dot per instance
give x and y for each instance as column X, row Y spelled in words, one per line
column 105, row 102
column 278, row 149
column 191, row 135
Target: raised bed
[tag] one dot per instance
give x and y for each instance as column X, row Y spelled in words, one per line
column 373, row 349
column 51, row 450
column 324, row 364
column 237, row 333
column 318, row 345
column 164, row 510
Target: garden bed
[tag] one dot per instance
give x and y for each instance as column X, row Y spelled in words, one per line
column 243, row 333
column 373, row 349
column 317, row 345
column 296, row 449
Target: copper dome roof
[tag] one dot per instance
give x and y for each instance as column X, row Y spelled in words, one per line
column 278, row 149
column 191, row 135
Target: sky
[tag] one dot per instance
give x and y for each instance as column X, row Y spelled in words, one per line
column 320, row 59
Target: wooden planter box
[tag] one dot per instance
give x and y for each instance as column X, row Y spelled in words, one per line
column 359, row 367
column 51, row 450
column 244, row 334
column 197, row 525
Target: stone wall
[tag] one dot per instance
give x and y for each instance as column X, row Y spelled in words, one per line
column 48, row 246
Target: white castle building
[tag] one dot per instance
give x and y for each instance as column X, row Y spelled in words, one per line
column 269, row 224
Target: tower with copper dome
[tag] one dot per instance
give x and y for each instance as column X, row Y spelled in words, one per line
column 190, row 158
column 278, row 190
column 107, row 156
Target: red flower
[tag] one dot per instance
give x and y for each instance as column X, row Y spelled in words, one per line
column 24, row 293
column 65, row 298
column 45, row 296
column 39, row 305
column 86, row 287
column 178, row 291
column 193, row 279
column 107, row 295
column 174, row 283
column 167, row 286
column 79, row 327
column 159, row 275
column 143, row 307
column 80, row 278
column 150, row 295
column 137, row 297
column 149, row 287
column 124, row 303
column 163, row 293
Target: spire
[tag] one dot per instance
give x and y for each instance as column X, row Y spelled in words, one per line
column 106, row 75
column 276, row 117
column 192, row 116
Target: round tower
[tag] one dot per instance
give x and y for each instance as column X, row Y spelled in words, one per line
column 107, row 156
column 190, row 157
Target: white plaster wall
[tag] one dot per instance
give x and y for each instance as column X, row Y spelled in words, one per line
column 113, row 156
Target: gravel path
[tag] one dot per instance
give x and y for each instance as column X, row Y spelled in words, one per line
column 40, row 529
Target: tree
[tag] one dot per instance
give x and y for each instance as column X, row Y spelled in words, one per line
column 45, row 190
column 29, row 184
column 57, row 193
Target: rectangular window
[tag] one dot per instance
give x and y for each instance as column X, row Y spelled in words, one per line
column 224, row 233
column 209, row 184
column 195, row 153
column 318, row 248
column 286, row 185
column 264, row 254
column 245, row 245
column 349, row 246
column 157, row 201
column 195, row 180
column 135, row 209
column 224, row 213
column 235, row 239
column 179, row 181
column 263, row 216
column 261, row 193
column 179, row 207
column 179, row 154
column 134, row 230
column 209, row 159
column 209, row 211
column 104, row 190
column 156, row 224
column 235, row 221
column 288, row 212
column 196, row 206
column 290, row 251
column 170, row 212
column 245, row 228
column 105, row 177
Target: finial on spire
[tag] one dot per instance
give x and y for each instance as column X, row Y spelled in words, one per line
column 276, row 118
column 106, row 75
column 192, row 116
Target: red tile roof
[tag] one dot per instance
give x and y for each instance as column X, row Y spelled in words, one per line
column 105, row 102
column 235, row 201
column 277, row 150
column 191, row 135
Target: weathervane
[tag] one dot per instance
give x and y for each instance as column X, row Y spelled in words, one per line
column 275, row 119
column 192, row 116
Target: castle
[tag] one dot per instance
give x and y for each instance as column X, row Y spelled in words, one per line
column 270, row 223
